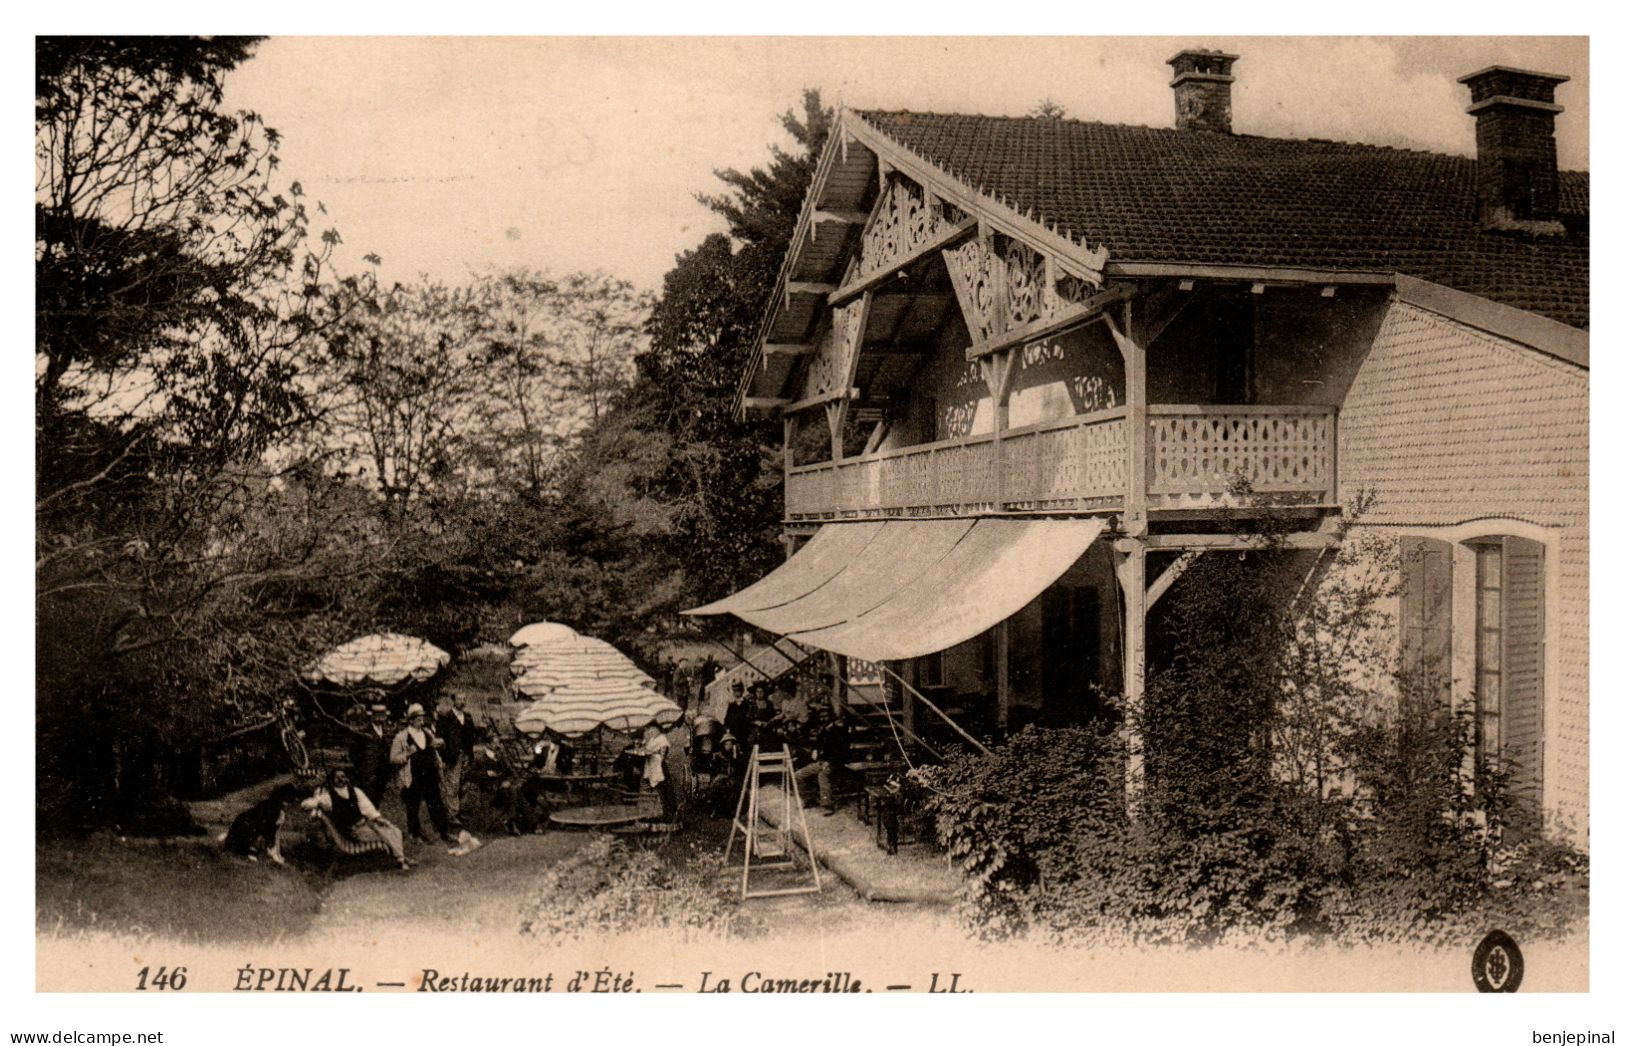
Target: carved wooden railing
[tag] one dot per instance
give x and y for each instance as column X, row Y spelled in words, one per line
column 1196, row 453
column 1080, row 464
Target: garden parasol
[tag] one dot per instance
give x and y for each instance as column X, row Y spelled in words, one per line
column 382, row 659
column 544, row 666
column 581, row 708
column 541, row 681
column 542, row 632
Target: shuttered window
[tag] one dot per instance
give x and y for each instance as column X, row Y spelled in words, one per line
column 1425, row 615
column 1491, row 647
column 1512, row 657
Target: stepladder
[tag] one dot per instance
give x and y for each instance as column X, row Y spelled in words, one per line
column 768, row 845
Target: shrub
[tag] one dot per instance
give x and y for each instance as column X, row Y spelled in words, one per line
column 1295, row 783
column 1015, row 819
column 608, row 887
column 1041, row 831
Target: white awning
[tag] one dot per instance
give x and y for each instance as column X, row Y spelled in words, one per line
column 825, row 554
column 916, row 586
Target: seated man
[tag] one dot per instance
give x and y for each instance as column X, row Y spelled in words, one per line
column 354, row 816
column 789, row 705
column 831, row 749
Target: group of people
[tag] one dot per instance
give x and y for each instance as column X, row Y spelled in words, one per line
column 685, row 680
column 426, row 762
column 817, row 732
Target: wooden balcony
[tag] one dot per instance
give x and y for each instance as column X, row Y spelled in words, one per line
column 1194, row 456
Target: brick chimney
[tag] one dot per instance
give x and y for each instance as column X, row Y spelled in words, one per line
column 1202, row 90
column 1517, row 155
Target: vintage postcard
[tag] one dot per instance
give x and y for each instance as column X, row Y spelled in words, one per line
column 812, row 515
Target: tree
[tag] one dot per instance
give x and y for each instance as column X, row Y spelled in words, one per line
column 178, row 299
column 400, row 379
column 172, row 294
column 1048, row 109
column 557, row 353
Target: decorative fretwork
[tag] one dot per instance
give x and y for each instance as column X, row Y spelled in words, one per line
column 1028, row 293
column 1276, row 450
column 1003, row 284
column 906, row 220
column 831, row 365
column 1068, row 464
column 864, row 673
column 1081, row 464
column 975, row 269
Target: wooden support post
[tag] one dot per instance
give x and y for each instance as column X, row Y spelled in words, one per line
column 837, row 690
column 1131, row 576
column 835, row 417
column 907, row 695
column 1002, row 672
column 877, row 436
column 996, row 371
column 1137, row 420
column 836, row 411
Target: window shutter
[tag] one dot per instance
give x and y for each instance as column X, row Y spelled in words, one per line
column 1425, row 615
column 1524, row 664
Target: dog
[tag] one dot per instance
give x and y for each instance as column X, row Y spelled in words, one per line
column 255, row 830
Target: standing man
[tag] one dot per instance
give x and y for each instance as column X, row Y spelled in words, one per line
column 456, row 728
column 738, row 724
column 369, row 753
column 416, row 758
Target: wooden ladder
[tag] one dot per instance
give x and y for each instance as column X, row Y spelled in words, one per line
column 774, row 849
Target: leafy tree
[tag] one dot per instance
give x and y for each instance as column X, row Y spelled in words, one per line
column 557, row 353
column 172, row 294
column 178, row 298
column 1048, row 109
column 400, row 379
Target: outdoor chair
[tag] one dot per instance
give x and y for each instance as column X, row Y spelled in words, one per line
column 341, row 845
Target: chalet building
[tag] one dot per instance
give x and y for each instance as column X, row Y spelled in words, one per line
column 1021, row 362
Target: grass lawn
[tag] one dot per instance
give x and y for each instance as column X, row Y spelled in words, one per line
column 192, row 892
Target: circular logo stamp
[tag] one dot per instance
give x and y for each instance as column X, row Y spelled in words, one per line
column 1497, row 963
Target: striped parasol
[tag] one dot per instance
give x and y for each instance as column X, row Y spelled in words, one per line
column 581, row 708
column 543, row 667
column 542, row 632
column 542, row 678
column 382, row 659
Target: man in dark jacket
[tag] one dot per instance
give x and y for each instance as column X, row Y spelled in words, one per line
column 737, row 723
column 455, row 726
column 832, row 747
column 369, row 753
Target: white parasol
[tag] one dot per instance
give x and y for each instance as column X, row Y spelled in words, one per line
column 382, row 659
column 542, row 632
column 584, row 707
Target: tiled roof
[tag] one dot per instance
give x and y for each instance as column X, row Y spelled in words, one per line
column 1162, row 195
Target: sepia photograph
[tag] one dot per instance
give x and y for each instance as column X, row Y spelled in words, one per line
column 811, row 515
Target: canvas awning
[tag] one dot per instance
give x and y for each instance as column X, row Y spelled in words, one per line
column 824, row 555
column 907, row 588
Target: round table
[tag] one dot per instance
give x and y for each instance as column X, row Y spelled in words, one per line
column 607, row 816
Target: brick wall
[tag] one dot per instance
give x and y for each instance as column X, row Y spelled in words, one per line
column 1448, row 425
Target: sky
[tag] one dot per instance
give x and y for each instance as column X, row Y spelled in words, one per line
column 444, row 155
